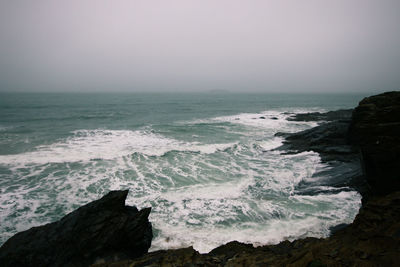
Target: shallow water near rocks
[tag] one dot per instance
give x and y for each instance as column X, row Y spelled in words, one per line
column 204, row 162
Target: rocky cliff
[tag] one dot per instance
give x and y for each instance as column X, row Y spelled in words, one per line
column 375, row 131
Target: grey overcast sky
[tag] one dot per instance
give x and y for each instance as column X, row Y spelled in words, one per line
column 187, row 45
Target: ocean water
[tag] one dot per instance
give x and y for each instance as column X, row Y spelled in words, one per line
column 205, row 163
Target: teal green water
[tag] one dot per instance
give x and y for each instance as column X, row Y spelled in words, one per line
column 204, row 162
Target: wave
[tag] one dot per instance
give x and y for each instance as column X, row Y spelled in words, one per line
column 300, row 217
column 270, row 120
column 86, row 145
column 19, row 129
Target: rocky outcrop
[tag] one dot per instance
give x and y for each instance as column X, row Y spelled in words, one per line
column 371, row 135
column 331, row 141
column 103, row 230
column 328, row 139
column 341, row 114
column 375, row 129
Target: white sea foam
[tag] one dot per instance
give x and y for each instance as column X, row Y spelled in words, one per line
column 86, row 145
column 268, row 120
column 296, row 224
column 271, row 143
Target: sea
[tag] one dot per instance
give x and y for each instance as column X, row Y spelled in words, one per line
column 206, row 163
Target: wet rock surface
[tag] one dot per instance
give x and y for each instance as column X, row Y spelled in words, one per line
column 329, row 139
column 103, row 230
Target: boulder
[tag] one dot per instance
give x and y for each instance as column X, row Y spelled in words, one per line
column 100, row 231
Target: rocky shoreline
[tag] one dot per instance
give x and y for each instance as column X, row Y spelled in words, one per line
column 362, row 146
column 331, row 141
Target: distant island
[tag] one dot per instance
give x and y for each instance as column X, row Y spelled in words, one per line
column 219, row 91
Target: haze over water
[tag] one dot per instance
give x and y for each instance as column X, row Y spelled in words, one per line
column 197, row 46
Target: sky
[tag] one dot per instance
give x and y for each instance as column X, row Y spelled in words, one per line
column 203, row 45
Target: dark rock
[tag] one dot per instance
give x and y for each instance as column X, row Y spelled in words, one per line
column 331, row 141
column 281, row 134
column 316, row 263
column 102, row 230
column 274, row 118
column 341, row 114
column 334, row 253
column 328, row 138
column 185, row 257
column 364, row 255
column 262, row 117
column 338, row 227
column 231, row 249
column 375, row 129
column 373, row 134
